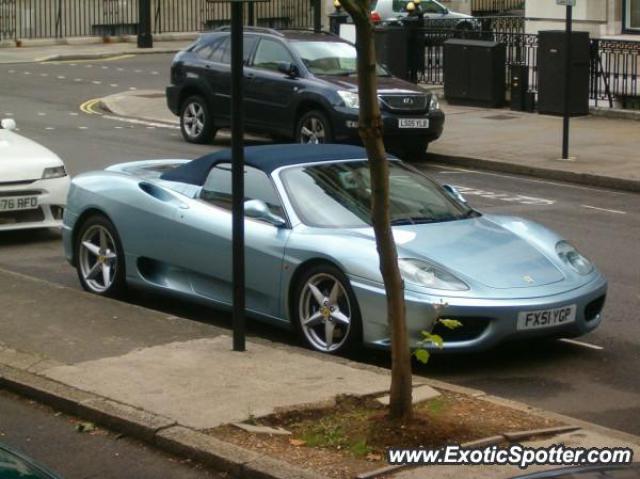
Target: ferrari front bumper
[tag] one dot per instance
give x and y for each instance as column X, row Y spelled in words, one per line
column 485, row 322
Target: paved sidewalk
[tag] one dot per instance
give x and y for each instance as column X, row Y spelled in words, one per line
column 605, row 149
column 88, row 49
column 165, row 379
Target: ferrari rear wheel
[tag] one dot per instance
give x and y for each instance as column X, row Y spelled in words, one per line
column 326, row 312
column 99, row 258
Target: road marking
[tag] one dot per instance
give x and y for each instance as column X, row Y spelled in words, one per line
column 44, row 75
column 155, row 73
column 12, row 71
column 50, row 128
column 114, row 85
column 535, row 180
column 508, row 197
column 27, row 73
column 87, row 106
column 42, row 113
column 96, row 82
column 581, row 344
column 617, row 212
column 73, row 113
column 83, row 128
column 132, row 88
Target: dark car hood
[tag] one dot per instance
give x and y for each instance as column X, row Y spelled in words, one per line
column 385, row 84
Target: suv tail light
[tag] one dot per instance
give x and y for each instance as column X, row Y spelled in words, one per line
column 375, row 17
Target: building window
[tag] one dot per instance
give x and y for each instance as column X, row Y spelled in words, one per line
column 632, row 16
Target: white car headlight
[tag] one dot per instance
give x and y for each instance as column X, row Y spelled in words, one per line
column 434, row 103
column 570, row 255
column 424, row 274
column 350, row 99
column 54, row 172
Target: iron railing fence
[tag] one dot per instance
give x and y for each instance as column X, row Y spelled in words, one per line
column 520, row 48
column 198, row 15
column 495, row 7
column 35, row 19
column 615, row 72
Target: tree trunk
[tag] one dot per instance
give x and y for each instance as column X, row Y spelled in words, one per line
column 370, row 128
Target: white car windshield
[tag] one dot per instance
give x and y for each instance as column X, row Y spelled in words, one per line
column 339, row 195
column 330, row 58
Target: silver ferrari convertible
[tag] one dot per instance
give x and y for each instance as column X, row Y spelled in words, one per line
column 311, row 255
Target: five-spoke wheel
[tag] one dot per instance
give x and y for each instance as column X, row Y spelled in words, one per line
column 100, row 263
column 314, row 128
column 196, row 123
column 327, row 312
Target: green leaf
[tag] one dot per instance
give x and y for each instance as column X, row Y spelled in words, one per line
column 450, row 323
column 422, row 355
column 437, row 340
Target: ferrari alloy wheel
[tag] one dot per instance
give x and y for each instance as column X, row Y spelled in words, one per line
column 313, row 128
column 327, row 312
column 99, row 258
column 196, row 123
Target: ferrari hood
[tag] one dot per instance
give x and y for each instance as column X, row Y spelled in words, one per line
column 478, row 250
column 22, row 159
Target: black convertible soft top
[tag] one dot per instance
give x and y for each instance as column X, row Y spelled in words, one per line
column 266, row 158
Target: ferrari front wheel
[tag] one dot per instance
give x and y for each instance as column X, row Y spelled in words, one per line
column 326, row 311
column 99, row 257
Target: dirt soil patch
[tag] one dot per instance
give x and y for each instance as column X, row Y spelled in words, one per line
column 352, row 437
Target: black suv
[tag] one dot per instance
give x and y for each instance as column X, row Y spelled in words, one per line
column 298, row 85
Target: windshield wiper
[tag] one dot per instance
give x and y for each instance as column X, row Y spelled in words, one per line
column 421, row 220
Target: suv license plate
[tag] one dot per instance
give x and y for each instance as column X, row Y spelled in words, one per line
column 413, row 123
column 546, row 318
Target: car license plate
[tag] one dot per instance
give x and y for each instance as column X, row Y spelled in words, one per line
column 546, row 318
column 414, row 123
column 17, row 203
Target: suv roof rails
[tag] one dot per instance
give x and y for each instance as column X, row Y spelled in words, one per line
column 272, row 31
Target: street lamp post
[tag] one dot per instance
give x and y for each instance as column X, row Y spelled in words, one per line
column 569, row 4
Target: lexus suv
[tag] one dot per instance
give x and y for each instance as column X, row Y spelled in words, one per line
column 299, row 86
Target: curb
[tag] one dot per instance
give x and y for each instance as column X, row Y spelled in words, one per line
column 585, row 179
column 153, row 429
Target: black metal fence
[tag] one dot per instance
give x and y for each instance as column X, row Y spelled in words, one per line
column 615, row 64
column 32, row 19
column 615, row 72
column 495, row 7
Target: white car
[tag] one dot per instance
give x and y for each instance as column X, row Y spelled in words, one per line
column 33, row 183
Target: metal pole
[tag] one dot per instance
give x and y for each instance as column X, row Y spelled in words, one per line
column 237, row 176
column 252, row 15
column 567, row 82
column 145, row 39
column 317, row 16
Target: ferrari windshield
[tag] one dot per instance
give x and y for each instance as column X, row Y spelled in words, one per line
column 329, row 58
column 339, row 195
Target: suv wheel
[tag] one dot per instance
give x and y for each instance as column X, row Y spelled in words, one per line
column 313, row 127
column 196, row 123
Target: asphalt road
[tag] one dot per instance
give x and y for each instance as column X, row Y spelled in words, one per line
column 596, row 382
column 52, row 439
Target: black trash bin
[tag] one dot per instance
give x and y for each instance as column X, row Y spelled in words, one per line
column 519, row 86
column 391, row 48
column 474, row 72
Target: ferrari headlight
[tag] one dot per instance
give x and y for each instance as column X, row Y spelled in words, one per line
column 424, row 274
column 434, row 103
column 350, row 99
column 573, row 258
column 54, row 172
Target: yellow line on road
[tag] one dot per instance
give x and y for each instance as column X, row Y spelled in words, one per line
column 88, row 107
column 95, row 60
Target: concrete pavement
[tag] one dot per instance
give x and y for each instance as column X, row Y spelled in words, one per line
column 166, row 380
column 35, row 51
column 605, row 150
